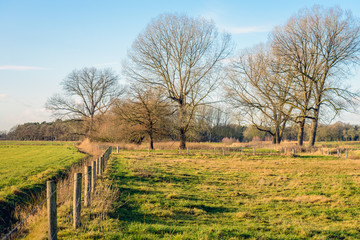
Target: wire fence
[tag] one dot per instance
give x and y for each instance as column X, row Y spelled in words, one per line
column 96, row 170
column 258, row 151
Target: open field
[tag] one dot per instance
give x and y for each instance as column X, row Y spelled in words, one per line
column 24, row 164
column 170, row 196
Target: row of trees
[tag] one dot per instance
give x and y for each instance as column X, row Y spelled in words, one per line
column 298, row 73
column 47, row 131
column 176, row 66
column 109, row 130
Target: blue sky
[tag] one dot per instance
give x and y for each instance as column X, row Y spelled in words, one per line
column 42, row 41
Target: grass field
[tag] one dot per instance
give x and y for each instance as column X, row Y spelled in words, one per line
column 23, row 164
column 169, row 196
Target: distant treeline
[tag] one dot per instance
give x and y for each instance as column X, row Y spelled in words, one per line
column 73, row 130
column 47, row 131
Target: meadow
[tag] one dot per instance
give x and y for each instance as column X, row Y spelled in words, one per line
column 25, row 164
column 167, row 195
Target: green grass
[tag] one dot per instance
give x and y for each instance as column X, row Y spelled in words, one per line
column 335, row 144
column 170, row 196
column 24, row 164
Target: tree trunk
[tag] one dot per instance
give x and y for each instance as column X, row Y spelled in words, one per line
column 281, row 131
column 182, row 138
column 91, row 125
column 278, row 137
column 301, row 132
column 151, row 141
column 182, row 126
column 314, row 126
column 274, row 139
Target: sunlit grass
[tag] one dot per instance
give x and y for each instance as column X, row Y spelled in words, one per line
column 165, row 195
column 23, row 164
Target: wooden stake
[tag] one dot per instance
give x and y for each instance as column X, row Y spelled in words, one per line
column 77, row 200
column 87, row 192
column 98, row 167
column 51, row 210
column 93, row 176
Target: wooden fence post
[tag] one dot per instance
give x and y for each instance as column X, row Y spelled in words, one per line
column 88, row 180
column 223, row 151
column 117, row 149
column 98, row 167
column 77, row 200
column 102, row 163
column 293, row 152
column 93, row 176
column 346, row 154
column 51, row 210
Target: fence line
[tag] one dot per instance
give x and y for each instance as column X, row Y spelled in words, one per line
column 91, row 177
column 24, row 220
column 292, row 151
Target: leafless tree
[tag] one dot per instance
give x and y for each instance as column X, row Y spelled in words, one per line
column 259, row 87
column 320, row 45
column 301, row 100
column 211, row 117
column 87, row 92
column 146, row 111
column 182, row 55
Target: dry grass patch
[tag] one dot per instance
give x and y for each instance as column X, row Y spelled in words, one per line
column 208, row 196
column 312, row 199
column 90, row 148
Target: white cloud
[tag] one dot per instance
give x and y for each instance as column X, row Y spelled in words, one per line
column 13, row 67
column 245, row 30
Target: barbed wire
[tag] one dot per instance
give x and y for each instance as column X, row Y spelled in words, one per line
column 69, row 215
column 67, row 184
column 36, row 208
column 30, row 214
column 17, row 227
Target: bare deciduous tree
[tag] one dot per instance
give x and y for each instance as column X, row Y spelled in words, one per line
column 320, row 45
column 146, row 110
column 87, row 92
column 181, row 55
column 261, row 90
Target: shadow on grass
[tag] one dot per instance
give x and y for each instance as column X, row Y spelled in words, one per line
column 316, row 157
column 209, row 209
column 127, row 209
